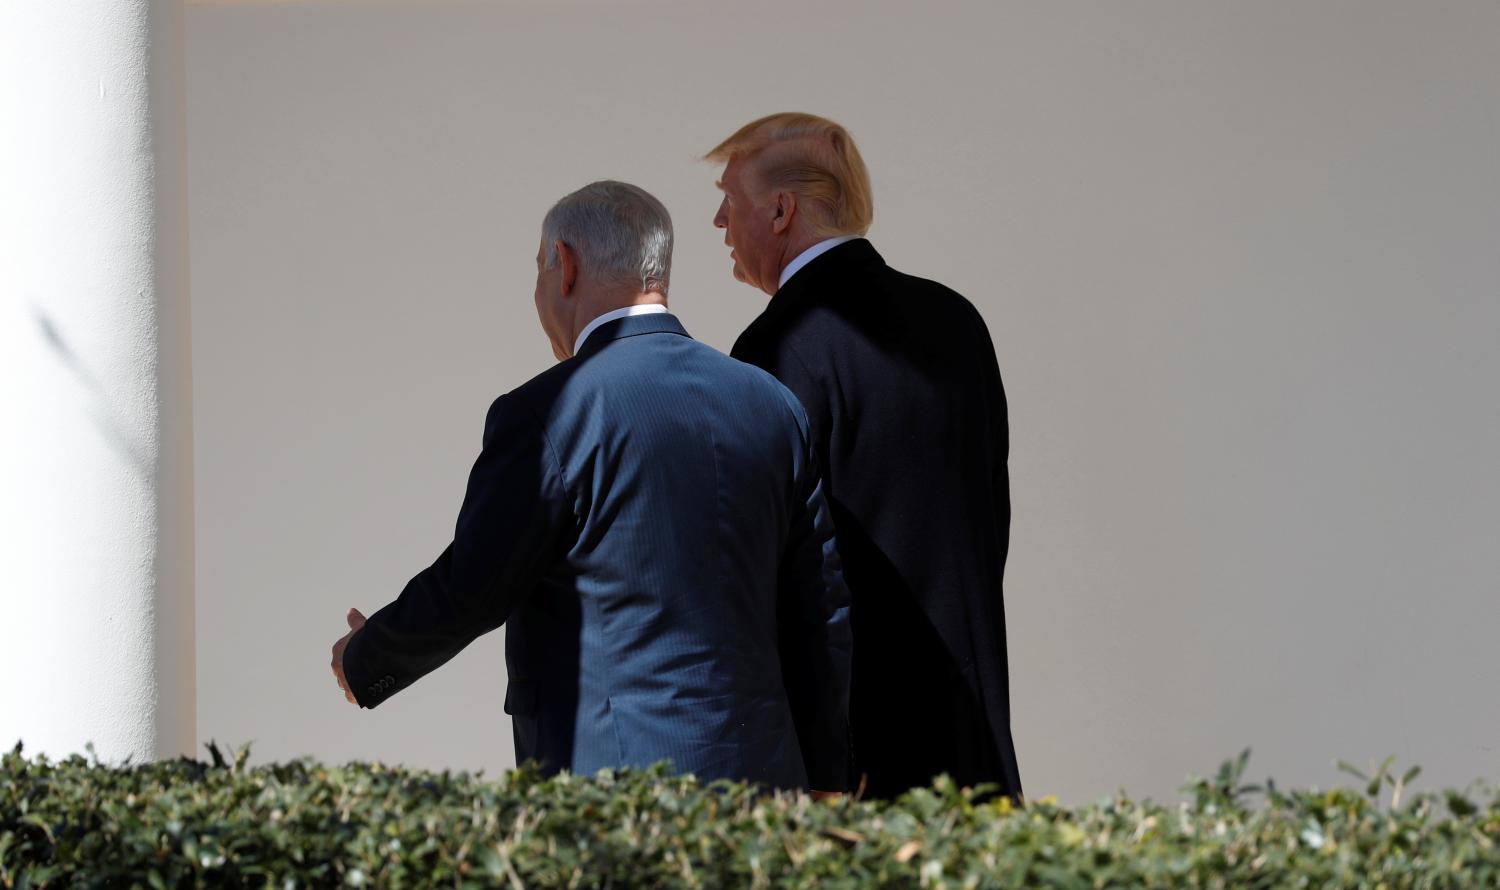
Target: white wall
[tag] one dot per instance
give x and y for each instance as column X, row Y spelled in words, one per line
column 1241, row 263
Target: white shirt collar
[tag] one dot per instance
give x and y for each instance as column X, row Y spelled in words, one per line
column 622, row 312
column 809, row 255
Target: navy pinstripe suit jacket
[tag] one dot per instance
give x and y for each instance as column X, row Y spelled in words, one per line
column 649, row 518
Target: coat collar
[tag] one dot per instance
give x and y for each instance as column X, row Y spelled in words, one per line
column 813, row 281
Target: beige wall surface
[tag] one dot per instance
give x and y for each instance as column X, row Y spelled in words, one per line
column 1241, row 263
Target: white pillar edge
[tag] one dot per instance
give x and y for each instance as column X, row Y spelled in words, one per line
column 96, row 459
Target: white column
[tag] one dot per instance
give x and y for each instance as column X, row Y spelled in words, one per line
column 96, row 457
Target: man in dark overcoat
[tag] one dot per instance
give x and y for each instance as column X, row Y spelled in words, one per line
column 900, row 382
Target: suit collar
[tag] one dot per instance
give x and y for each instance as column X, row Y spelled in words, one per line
column 632, row 326
column 611, row 315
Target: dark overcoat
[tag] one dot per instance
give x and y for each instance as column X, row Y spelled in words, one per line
column 899, row 378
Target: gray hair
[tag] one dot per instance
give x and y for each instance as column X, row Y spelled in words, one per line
column 622, row 234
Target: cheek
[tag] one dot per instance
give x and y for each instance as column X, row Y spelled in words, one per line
column 541, row 306
column 744, row 233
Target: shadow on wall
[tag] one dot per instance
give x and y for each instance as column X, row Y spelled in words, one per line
column 107, row 419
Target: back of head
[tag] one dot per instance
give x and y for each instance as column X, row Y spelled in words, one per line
column 621, row 233
column 815, row 159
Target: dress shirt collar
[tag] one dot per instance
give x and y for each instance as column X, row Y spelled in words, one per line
column 809, row 255
column 622, row 312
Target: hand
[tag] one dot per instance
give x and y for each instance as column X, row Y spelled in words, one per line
column 356, row 621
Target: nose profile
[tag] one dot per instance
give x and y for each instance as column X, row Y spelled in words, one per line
column 721, row 219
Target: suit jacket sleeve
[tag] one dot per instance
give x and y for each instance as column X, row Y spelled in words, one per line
column 814, row 636
column 514, row 518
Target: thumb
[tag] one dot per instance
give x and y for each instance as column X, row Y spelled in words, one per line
column 355, row 618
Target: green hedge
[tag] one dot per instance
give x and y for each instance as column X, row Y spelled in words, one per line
column 76, row 823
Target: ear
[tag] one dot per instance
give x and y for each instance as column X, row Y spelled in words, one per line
column 786, row 210
column 568, row 264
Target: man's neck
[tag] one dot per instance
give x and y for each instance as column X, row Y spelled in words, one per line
column 794, row 248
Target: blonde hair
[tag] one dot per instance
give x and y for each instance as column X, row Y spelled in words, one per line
column 813, row 158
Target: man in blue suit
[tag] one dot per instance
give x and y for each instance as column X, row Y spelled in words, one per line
column 649, row 518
